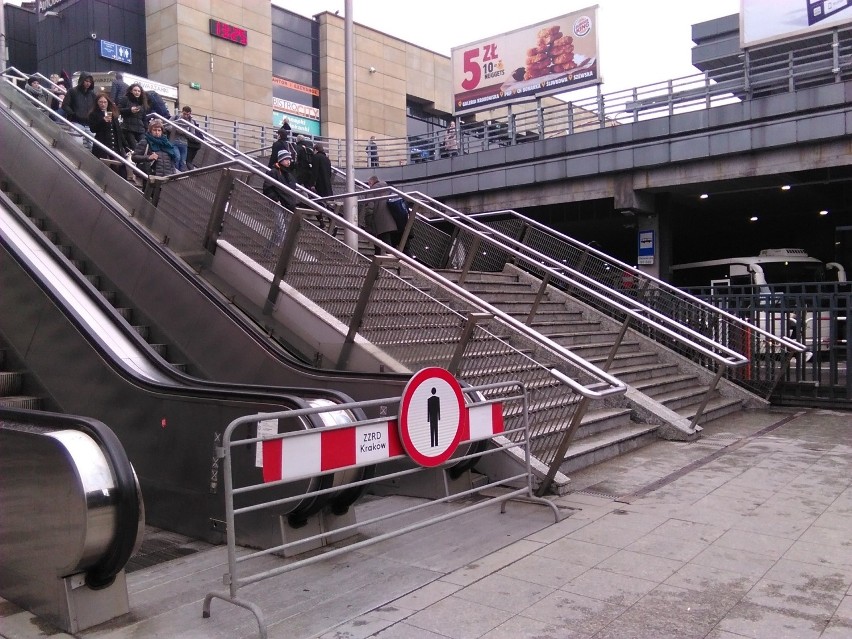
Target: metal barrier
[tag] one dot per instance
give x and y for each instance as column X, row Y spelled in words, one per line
column 817, row 314
column 291, row 457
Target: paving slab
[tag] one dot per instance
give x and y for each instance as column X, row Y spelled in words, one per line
column 744, row 533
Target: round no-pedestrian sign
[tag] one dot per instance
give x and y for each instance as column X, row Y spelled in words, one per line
column 431, row 416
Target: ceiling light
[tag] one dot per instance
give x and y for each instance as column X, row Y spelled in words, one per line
column 823, row 212
column 753, row 218
column 703, row 196
column 786, row 187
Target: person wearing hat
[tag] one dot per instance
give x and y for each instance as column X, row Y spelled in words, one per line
column 282, row 173
column 34, row 88
column 282, row 143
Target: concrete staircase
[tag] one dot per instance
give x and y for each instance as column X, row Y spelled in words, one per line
column 666, row 388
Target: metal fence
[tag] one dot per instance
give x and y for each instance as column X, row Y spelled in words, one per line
column 762, row 71
column 386, row 457
column 813, row 313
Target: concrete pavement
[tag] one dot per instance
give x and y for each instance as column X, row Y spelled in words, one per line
column 744, row 533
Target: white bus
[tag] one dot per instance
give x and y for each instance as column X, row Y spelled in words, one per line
column 733, row 281
column 771, row 266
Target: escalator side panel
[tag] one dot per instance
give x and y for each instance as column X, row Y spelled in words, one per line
column 166, row 292
column 169, row 439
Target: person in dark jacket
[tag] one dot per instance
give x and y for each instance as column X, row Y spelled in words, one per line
column 155, row 150
column 304, row 163
column 378, row 217
column 134, row 108
column 283, row 173
column 282, row 143
column 118, row 89
column 322, row 178
column 103, row 122
column 158, row 105
column 79, row 103
column 59, row 88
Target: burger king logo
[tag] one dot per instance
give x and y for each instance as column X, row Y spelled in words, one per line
column 582, row 26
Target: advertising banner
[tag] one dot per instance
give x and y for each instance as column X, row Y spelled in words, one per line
column 763, row 21
column 550, row 57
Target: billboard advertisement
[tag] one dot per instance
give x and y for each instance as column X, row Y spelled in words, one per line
column 763, row 21
column 550, row 57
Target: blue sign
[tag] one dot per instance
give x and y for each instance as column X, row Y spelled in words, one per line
column 646, row 247
column 117, row 52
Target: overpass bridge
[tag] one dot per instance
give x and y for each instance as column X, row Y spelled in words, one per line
column 603, row 183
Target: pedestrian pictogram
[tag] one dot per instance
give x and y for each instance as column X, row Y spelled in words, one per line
column 432, row 416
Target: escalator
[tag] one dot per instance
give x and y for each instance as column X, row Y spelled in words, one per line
column 91, row 363
column 152, row 270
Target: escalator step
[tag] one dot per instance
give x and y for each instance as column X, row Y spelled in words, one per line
column 20, row 401
column 161, row 349
column 10, row 382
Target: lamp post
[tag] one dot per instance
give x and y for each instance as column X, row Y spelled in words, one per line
column 350, row 206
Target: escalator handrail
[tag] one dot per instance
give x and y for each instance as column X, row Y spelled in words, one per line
column 128, row 505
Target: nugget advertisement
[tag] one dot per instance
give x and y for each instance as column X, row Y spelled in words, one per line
column 553, row 56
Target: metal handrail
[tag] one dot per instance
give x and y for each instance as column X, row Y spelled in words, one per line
column 660, row 284
column 557, row 269
column 762, row 70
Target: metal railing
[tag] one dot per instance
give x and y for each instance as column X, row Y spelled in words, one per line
column 815, row 313
column 461, row 332
column 746, row 353
column 803, row 62
column 761, row 71
column 386, row 451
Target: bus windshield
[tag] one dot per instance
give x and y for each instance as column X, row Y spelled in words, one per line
column 787, row 272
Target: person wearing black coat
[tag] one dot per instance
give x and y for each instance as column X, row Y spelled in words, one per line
column 134, row 108
column 322, row 177
column 281, row 143
column 283, row 174
column 104, row 123
column 78, row 103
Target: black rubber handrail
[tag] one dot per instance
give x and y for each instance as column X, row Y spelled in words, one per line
column 127, row 502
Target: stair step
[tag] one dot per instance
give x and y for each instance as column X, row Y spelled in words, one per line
column 595, row 449
column 653, row 386
column 716, row 408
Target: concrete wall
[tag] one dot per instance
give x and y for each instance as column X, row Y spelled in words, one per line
column 236, row 80
column 402, row 71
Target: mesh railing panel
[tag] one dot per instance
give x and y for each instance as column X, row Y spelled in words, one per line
column 681, row 312
column 188, row 201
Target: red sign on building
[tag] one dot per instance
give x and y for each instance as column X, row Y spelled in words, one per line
column 228, row 32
